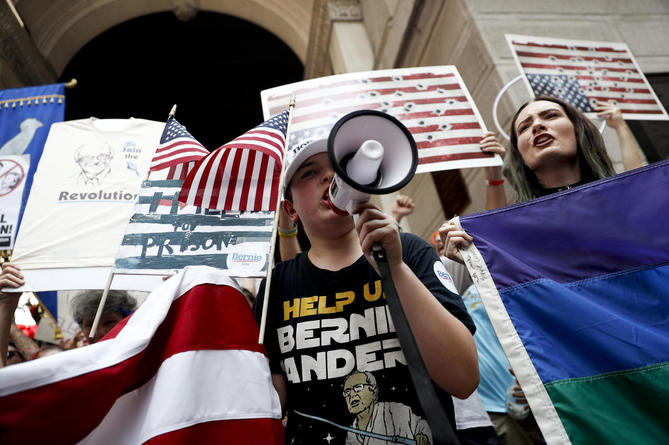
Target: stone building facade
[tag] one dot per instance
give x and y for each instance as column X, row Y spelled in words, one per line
column 337, row 36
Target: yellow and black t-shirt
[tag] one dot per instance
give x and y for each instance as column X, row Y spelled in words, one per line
column 331, row 334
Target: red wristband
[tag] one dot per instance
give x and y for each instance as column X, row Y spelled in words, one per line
column 495, row 182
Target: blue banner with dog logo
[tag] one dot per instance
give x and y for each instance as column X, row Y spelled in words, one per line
column 26, row 115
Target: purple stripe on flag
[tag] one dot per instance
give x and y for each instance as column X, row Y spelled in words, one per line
column 582, row 247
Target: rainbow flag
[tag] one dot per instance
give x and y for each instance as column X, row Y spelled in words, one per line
column 576, row 285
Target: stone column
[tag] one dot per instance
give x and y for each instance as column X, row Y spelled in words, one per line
column 338, row 41
column 19, row 52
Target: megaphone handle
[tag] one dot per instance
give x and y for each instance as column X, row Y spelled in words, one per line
column 376, row 247
column 442, row 430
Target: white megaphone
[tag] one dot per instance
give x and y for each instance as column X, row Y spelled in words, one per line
column 372, row 153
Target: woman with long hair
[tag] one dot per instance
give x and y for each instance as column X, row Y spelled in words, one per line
column 563, row 148
column 554, row 147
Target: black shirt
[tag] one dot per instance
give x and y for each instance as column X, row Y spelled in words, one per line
column 326, row 326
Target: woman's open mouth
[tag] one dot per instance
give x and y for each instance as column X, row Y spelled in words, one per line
column 542, row 140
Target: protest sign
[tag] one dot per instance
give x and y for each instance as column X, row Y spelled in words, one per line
column 83, row 195
column 13, row 173
column 432, row 102
column 584, row 72
column 165, row 235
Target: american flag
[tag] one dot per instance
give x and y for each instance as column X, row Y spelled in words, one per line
column 177, row 147
column 432, row 102
column 242, row 175
column 184, row 368
column 180, row 171
column 583, row 73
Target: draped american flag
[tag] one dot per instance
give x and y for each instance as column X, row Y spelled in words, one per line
column 432, row 102
column 178, row 150
column 242, row 175
column 583, row 72
column 180, row 171
column 184, row 368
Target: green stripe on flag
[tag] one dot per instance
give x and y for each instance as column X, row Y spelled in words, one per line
column 624, row 407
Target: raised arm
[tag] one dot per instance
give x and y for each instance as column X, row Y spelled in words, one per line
column 494, row 180
column 629, row 149
column 403, row 206
column 10, row 276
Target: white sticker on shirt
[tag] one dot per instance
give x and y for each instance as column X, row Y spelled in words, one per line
column 444, row 277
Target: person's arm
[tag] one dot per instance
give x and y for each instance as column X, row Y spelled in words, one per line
column 9, row 277
column 289, row 246
column 403, row 206
column 281, row 386
column 495, row 196
column 629, row 149
column 26, row 346
column 445, row 343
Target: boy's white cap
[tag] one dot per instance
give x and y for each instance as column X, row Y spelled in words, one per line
column 300, row 153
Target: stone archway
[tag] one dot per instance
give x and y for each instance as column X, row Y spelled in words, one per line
column 60, row 28
column 212, row 66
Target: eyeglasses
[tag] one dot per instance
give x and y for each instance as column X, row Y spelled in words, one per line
column 357, row 388
column 102, row 157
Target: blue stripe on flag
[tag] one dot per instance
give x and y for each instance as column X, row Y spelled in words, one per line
column 612, row 323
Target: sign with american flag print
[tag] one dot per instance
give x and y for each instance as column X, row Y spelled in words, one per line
column 178, row 150
column 584, row 72
column 242, row 175
column 164, row 236
column 432, row 102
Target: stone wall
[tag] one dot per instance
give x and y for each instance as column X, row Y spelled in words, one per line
column 351, row 35
column 470, row 35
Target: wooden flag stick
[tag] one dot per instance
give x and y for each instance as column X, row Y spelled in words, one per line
column 101, row 306
column 270, row 262
column 103, row 299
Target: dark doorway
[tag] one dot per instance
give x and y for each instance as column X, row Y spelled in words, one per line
column 213, row 67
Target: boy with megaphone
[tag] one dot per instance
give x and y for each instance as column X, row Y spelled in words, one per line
column 334, row 353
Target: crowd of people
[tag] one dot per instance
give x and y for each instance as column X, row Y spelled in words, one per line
column 333, row 353
column 16, row 346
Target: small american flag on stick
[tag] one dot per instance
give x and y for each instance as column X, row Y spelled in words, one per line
column 432, row 102
column 583, row 73
column 242, row 175
column 178, row 150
